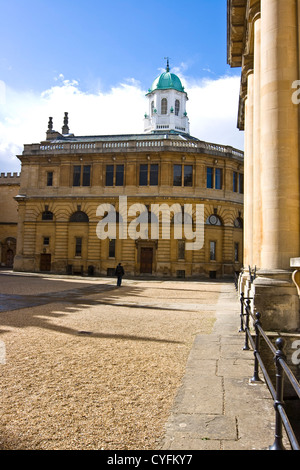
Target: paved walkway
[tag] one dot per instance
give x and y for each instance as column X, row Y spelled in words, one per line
column 217, row 408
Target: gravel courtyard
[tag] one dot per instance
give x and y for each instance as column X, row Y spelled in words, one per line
column 88, row 365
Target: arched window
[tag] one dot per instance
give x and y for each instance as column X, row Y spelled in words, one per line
column 177, row 107
column 213, row 220
column 112, row 217
column 238, row 223
column 164, row 106
column 79, row 216
column 47, row 215
column 152, row 108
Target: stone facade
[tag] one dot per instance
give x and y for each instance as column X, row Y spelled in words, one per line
column 65, row 179
column 263, row 39
column 9, row 188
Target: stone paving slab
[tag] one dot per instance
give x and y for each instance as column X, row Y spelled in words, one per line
column 209, row 389
column 204, row 427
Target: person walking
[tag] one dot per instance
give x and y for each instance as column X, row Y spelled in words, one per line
column 119, row 273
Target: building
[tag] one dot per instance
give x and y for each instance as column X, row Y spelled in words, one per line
column 9, row 188
column 87, row 203
column 263, row 39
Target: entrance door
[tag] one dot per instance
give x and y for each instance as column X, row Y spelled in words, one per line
column 45, row 263
column 9, row 258
column 146, row 260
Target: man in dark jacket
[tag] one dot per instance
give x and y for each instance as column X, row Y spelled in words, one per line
column 119, row 273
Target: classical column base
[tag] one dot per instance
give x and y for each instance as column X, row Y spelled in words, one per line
column 243, row 282
column 276, row 298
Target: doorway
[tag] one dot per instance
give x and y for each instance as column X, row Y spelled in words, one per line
column 9, row 258
column 45, row 262
column 146, row 260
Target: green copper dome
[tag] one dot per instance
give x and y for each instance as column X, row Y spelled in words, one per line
column 167, row 81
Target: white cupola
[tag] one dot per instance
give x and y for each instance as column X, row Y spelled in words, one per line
column 167, row 105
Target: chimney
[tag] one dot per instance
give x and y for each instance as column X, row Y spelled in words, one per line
column 65, row 128
column 50, row 129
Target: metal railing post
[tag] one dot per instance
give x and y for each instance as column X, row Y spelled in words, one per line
column 246, row 346
column 257, row 323
column 278, row 445
column 242, row 312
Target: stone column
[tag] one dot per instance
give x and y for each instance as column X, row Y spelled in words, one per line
column 275, row 295
column 279, row 135
column 248, row 187
column 257, row 217
column 248, row 172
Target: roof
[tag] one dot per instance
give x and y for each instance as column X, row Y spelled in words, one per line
column 236, row 12
column 156, row 135
column 158, row 141
column 167, row 81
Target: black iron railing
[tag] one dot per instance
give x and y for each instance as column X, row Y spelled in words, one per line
column 252, row 276
column 282, row 371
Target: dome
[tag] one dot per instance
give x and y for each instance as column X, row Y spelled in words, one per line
column 166, row 81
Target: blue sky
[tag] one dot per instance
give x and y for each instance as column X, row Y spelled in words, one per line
column 94, row 47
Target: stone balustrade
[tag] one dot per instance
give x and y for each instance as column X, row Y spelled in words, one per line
column 132, row 145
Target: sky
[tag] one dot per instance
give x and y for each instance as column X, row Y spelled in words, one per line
column 96, row 60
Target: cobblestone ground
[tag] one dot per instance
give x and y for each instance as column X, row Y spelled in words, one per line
column 86, row 365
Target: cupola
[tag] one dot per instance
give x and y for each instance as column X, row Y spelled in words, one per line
column 167, row 105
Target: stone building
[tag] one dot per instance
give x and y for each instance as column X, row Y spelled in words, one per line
column 87, row 203
column 9, row 188
column 263, row 39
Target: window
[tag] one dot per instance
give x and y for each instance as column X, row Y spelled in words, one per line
column 76, row 175
column 209, row 177
column 164, row 106
column 235, row 182
column 78, row 246
column 214, row 178
column 177, row 175
column 188, row 175
column 79, row 217
column 109, row 181
column 152, row 108
column 238, row 223
column 112, row 248
column 153, row 175
column 213, row 219
column 236, row 252
column 119, row 175
column 181, row 249
column 114, row 175
column 177, row 107
column 218, row 178
column 46, row 241
column 241, row 183
column 50, row 178
column 47, row 215
column 183, row 175
column 238, row 182
column 84, row 173
column 148, row 175
column 212, row 251
column 86, row 177
column 143, row 175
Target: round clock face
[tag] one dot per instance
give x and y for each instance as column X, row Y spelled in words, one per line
column 213, row 220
